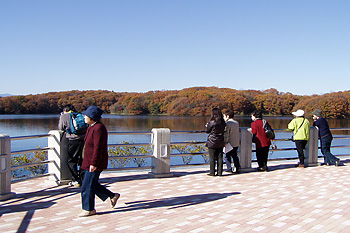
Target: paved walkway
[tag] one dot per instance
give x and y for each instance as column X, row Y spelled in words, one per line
column 286, row 199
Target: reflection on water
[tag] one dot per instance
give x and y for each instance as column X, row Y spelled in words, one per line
column 23, row 125
column 20, row 125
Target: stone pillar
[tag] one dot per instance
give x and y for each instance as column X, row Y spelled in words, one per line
column 59, row 168
column 5, row 168
column 311, row 150
column 246, row 149
column 161, row 153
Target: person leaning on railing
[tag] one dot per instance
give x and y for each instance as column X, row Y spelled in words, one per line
column 75, row 145
column 326, row 137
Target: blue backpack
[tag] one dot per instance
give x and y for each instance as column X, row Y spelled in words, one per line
column 77, row 124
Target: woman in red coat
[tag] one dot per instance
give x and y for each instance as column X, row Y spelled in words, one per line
column 95, row 160
column 261, row 141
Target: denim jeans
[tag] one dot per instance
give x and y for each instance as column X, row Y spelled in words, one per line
column 232, row 154
column 92, row 187
column 326, row 149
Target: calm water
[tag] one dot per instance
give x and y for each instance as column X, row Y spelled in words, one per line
column 23, row 125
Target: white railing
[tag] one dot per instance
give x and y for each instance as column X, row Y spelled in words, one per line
column 160, row 158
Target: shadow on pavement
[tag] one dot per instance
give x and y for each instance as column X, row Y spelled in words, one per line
column 173, row 202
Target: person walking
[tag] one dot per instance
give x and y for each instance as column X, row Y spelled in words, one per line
column 215, row 142
column 261, row 140
column 231, row 142
column 326, row 137
column 75, row 145
column 95, row 160
column 301, row 133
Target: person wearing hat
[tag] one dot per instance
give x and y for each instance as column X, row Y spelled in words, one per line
column 301, row 133
column 325, row 136
column 95, row 160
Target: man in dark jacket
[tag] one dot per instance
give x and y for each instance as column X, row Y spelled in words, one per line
column 325, row 136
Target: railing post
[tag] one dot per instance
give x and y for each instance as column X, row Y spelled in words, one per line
column 246, row 149
column 311, row 150
column 59, row 167
column 5, row 168
column 161, row 153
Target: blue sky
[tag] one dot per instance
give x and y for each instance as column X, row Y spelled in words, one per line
column 295, row 46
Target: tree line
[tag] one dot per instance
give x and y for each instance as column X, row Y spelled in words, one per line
column 194, row 101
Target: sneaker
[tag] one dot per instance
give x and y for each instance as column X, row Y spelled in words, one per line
column 86, row 213
column 114, row 199
column 337, row 163
column 75, row 184
column 229, row 170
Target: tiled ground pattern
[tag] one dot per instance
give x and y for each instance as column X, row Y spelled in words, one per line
column 286, row 199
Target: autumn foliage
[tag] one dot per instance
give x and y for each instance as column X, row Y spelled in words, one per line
column 195, row 101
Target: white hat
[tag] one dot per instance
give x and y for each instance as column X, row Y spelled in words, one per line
column 299, row 113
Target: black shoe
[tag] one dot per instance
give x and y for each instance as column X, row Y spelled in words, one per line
column 210, row 175
column 238, row 170
column 229, row 170
column 260, row 169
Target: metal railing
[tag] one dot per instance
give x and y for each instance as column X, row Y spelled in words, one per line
column 150, row 144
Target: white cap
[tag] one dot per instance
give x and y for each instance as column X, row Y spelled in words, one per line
column 299, row 113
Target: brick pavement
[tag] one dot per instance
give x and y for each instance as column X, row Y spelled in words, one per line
column 286, row 199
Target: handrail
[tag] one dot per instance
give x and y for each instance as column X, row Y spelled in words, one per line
column 31, row 164
column 31, row 150
column 150, row 144
column 130, row 144
column 30, row 137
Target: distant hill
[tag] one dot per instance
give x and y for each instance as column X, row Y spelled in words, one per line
column 5, row 95
column 194, row 101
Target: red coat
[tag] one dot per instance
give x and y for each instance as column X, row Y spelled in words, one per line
column 96, row 152
column 261, row 139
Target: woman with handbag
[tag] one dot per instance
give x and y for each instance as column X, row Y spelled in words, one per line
column 261, row 140
column 301, row 133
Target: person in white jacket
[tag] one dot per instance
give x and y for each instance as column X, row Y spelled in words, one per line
column 232, row 141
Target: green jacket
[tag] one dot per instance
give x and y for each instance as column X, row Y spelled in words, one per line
column 304, row 131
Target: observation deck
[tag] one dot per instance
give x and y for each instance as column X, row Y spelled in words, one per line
column 285, row 199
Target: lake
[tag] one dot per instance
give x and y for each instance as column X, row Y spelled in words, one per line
column 24, row 125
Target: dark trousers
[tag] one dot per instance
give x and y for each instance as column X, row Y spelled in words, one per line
column 233, row 154
column 300, row 145
column 215, row 157
column 75, row 148
column 262, row 154
column 92, row 187
column 326, row 149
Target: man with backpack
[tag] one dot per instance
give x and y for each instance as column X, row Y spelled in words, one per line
column 75, row 132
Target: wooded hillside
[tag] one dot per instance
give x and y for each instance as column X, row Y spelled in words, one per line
column 187, row 102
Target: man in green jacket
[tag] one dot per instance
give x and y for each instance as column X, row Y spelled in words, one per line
column 301, row 133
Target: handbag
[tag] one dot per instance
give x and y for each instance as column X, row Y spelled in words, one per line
column 297, row 130
column 268, row 130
